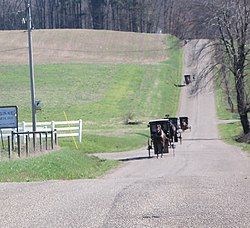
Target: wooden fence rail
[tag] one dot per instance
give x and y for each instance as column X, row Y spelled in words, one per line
column 63, row 128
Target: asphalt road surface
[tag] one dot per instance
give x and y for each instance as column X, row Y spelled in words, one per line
column 206, row 183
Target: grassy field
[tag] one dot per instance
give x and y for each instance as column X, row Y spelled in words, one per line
column 83, row 46
column 130, row 78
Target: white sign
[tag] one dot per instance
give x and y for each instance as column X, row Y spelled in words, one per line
column 8, row 117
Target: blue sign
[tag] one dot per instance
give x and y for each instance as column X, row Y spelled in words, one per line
column 8, row 117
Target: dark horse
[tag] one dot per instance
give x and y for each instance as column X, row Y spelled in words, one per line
column 159, row 139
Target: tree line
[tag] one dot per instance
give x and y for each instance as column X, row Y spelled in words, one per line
column 181, row 18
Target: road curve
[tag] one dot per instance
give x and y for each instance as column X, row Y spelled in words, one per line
column 206, row 183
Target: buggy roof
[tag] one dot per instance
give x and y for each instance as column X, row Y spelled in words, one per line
column 158, row 120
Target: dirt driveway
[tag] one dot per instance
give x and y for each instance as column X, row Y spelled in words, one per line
column 206, row 184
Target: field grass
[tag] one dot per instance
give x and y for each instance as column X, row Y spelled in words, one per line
column 66, row 46
column 94, row 93
column 104, row 95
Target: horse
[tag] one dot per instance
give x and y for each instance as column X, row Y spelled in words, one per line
column 159, row 140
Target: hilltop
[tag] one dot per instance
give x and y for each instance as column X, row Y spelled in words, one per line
column 82, row 46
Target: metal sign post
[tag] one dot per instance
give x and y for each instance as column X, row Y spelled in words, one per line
column 2, row 139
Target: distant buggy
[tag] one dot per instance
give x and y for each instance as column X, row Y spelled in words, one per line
column 184, row 123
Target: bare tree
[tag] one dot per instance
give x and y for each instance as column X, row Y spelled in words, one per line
column 232, row 21
column 226, row 23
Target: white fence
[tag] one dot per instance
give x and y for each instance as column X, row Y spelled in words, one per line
column 63, row 128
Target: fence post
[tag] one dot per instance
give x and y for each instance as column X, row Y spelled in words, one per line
column 18, row 146
column 23, row 126
column 23, row 129
column 34, row 141
column 52, row 139
column 80, row 131
column 52, row 126
column 55, row 137
column 2, row 138
column 9, row 146
column 46, row 140
column 40, row 139
column 27, row 145
column 12, row 140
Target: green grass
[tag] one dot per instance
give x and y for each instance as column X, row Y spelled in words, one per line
column 104, row 96
column 94, row 93
column 112, row 143
column 223, row 111
column 65, row 164
column 228, row 132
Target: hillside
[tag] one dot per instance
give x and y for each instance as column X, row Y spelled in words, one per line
column 105, row 78
column 82, row 46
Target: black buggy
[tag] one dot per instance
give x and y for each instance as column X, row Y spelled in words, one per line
column 184, row 123
column 155, row 142
column 187, row 79
column 173, row 121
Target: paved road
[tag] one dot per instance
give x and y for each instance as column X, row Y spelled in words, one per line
column 206, row 184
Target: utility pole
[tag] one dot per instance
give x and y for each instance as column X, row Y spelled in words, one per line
column 32, row 81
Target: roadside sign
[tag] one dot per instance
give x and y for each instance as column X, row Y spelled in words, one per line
column 8, row 117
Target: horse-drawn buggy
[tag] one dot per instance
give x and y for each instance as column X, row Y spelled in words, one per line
column 184, row 123
column 162, row 136
column 173, row 121
column 187, row 79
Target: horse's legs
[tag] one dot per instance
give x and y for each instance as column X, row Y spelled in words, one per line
column 162, row 148
column 159, row 148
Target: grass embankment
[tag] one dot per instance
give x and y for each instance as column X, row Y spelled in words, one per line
column 104, row 96
column 228, row 131
column 63, row 165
